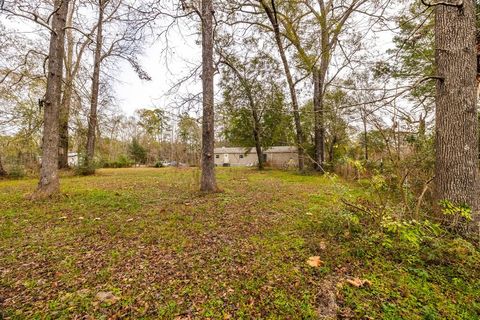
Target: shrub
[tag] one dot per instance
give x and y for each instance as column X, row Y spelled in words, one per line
column 17, row 171
column 121, row 162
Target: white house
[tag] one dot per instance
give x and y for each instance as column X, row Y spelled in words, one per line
column 73, row 159
column 278, row 157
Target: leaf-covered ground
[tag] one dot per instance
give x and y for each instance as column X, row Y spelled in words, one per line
column 144, row 244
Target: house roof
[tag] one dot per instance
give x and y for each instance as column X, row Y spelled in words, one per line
column 240, row 150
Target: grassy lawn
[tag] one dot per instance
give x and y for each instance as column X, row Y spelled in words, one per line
column 144, row 244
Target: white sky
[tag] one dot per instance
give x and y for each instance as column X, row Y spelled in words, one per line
column 165, row 70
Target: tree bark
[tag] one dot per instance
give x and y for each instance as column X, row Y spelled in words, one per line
column 456, row 169
column 49, row 180
column 208, row 180
column 92, row 117
column 319, row 120
column 272, row 17
column 67, row 94
column 64, row 112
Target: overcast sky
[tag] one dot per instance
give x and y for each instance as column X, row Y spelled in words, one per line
column 166, row 69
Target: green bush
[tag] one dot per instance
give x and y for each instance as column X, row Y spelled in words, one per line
column 17, row 171
column 121, row 162
column 158, row 164
column 84, row 170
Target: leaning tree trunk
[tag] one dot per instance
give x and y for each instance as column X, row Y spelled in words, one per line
column 92, row 117
column 49, row 181
column 257, row 127
column 456, row 169
column 272, row 17
column 296, row 109
column 208, row 180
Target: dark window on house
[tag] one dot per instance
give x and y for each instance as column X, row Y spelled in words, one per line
column 217, row 156
column 241, row 156
column 264, row 157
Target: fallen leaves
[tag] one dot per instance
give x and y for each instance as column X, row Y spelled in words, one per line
column 322, row 245
column 107, row 298
column 359, row 283
column 315, row 262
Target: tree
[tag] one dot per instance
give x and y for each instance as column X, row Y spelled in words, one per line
column 256, row 128
column 66, row 101
column 272, row 15
column 208, row 180
column 124, row 42
column 49, row 180
column 92, row 117
column 137, row 152
column 190, row 136
column 154, row 122
column 456, row 167
column 75, row 51
column 250, row 92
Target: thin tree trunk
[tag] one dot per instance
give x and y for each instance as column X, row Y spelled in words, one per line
column 456, row 169
column 319, row 120
column 49, row 180
column 272, row 17
column 92, row 118
column 3, row 173
column 63, row 125
column 331, row 150
column 258, row 145
column 65, row 106
column 254, row 111
column 365, row 137
column 208, row 180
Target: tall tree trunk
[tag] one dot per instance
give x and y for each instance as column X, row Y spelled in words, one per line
column 319, row 119
column 64, row 116
column 208, row 180
column 272, row 17
column 49, row 180
column 92, row 117
column 456, row 169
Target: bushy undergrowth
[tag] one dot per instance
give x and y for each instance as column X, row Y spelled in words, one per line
column 121, row 162
column 417, row 268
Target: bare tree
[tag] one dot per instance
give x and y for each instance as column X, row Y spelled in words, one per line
column 67, row 92
column 92, row 117
column 208, row 180
column 49, row 180
column 456, row 169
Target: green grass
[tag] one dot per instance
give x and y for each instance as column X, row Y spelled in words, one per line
column 167, row 251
